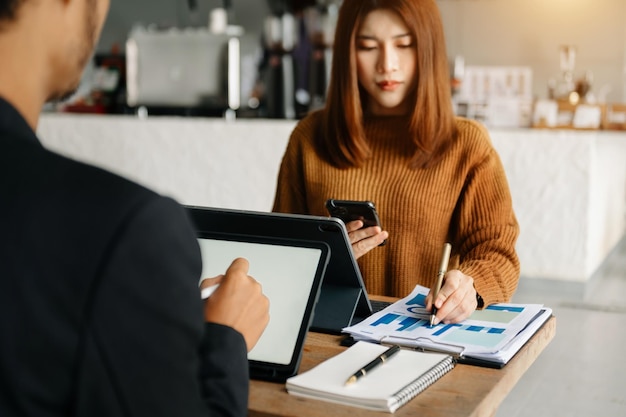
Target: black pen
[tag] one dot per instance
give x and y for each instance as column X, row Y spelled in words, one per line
column 380, row 359
column 443, row 268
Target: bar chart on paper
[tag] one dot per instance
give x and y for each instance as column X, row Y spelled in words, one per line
column 406, row 322
column 485, row 336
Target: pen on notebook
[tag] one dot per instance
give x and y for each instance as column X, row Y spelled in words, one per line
column 206, row 292
column 443, row 268
column 380, row 359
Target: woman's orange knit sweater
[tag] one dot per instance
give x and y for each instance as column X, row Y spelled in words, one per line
column 464, row 199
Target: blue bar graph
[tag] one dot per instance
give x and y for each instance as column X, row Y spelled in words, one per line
column 386, row 319
column 505, row 308
column 419, row 299
column 404, row 323
column 457, row 333
column 445, row 328
column 407, row 323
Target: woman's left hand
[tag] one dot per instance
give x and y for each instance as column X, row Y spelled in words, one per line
column 364, row 240
column 456, row 299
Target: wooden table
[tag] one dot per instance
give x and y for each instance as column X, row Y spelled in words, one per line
column 465, row 391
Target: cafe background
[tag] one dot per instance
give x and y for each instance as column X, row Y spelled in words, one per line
column 523, row 36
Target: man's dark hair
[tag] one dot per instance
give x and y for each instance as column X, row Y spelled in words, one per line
column 8, row 9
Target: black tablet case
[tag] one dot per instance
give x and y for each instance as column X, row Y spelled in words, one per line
column 264, row 368
column 343, row 298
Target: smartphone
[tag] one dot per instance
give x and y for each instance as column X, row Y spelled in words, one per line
column 350, row 210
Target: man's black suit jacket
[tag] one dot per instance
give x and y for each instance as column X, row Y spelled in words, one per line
column 100, row 312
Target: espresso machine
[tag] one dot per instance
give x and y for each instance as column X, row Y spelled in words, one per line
column 297, row 38
column 322, row 22
column 279, row 39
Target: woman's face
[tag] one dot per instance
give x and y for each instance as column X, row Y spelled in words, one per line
column 386, row 61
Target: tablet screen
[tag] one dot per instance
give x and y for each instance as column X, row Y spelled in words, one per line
column 290, row 274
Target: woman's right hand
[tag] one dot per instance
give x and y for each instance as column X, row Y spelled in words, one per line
column 364, row 240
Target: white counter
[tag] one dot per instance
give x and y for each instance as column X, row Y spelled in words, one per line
column 568, row 187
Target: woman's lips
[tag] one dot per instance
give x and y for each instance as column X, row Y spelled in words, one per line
column 388, row 85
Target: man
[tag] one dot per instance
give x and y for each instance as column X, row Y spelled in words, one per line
column 100, row 312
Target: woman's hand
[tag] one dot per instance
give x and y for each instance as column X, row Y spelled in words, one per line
column 456, row 299
column 364, row 240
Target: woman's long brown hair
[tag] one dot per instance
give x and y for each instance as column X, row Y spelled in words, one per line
column 432, row 125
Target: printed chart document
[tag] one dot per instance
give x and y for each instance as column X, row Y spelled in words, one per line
column 385, row 388
column 489, row 337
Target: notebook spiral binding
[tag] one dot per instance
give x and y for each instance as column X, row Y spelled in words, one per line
column 424, row 381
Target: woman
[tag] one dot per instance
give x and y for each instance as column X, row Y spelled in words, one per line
column 388, row 134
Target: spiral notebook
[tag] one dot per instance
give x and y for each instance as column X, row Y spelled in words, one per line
column 385, row 388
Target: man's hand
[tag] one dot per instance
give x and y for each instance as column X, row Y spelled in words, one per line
column 238, row 302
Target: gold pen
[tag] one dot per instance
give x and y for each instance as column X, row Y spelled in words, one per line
column 380, row 359
column 443, row 268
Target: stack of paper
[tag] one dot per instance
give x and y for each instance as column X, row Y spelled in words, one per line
column 489, row 337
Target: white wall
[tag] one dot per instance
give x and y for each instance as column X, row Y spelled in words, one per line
column 606, row 216
column 197, row 161
column 569, row 194
column 529, row 33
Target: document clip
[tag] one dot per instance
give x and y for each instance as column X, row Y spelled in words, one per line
column 455, row 350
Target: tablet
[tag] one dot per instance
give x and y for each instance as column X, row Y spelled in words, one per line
column 343, row 299
column 290, row 272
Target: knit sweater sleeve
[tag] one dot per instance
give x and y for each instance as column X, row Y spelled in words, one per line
column 290, row 196
column 487, row 230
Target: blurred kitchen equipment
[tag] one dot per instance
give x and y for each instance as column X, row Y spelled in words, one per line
column 322, row 32
column 566, row 88
column 280, row 37
column 183, row 68
column 297, row 39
